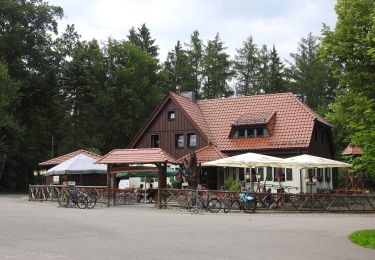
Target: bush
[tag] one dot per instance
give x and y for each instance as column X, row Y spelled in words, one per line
column 176, row 184
column 232, row 185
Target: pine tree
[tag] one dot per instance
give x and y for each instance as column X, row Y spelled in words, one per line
column 142, row 38
column 246, row 66
column 276, row 78
column 217, row 70
column 310, row 77
column 195, row 63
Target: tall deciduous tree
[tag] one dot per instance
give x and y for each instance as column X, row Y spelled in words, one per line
column 26, row 49
column 309, row 76
column 350, row 51
column 217, row 70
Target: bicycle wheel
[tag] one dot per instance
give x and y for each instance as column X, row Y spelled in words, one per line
column 82, row 202
column 91, row 201
column 63, row 199
column 249, row 207
column 182, row 201
column 214, row 205
column 228, row 206
column 196, row 205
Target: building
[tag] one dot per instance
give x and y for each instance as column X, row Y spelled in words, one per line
column 274, row 124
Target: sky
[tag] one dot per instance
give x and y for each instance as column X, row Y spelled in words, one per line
column 278, row 22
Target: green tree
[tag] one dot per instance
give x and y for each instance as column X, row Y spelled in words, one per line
column 131, row 93
column 82, row 81
column 246, row 66
column 350, row 50
column 277, row 82
column 195, row 63
column 26, row 48
column 309, row 77
column 263, row 77
column 143, row 39
column 217, row 70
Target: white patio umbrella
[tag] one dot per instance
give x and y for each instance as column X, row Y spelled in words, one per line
column 310, row 161
column 247, row 160
column 80, row 164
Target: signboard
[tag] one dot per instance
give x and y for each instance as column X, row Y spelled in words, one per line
column 56, row 179
column 71, row 183
column 123, row 184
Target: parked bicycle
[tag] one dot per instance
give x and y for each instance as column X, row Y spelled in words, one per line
column 73, row 196
column 126, row 198
column 244, row 201
column 199, row 202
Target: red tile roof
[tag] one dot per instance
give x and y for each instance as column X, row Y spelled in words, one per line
column 352, row 150
column 134, row 156
column 293, row 126
column 206, row 154
column 254, row 118
column 68, row 156
column 193, row 112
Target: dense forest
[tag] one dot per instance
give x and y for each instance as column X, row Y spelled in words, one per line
column 59, row 93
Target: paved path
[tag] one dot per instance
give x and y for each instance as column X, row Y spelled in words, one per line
column 35, row 230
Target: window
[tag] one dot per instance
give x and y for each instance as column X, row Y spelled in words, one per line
column 155, row 142
column 171, row 115
column 179, row 141
column 241, row 174
column 250, row 132
column 192, row 140
column 261, row 173
column 279, row 174
column 241, row 133
column 289, row 174
column 327, row 174
column 319, row 174
column 311, row 173
column 269, row 174
column 260, row 132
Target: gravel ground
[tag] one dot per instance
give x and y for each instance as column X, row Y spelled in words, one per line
column 42, row 230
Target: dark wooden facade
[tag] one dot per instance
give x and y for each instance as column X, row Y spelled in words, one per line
column 167, row 129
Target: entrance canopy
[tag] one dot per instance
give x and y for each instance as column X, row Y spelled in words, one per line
column 310, row 161
column 137, row 156
column 247, row 160
column 79, row 164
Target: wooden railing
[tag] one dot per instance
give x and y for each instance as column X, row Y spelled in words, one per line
column 285, row 201
column 172, row 198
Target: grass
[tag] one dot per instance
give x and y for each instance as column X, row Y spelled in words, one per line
column 365, row 238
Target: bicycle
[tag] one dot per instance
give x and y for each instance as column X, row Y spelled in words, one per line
column 126, row 198
column 244, row 201
column 73, row 196
column 198, row 202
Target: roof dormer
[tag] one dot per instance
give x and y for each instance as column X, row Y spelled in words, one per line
column 250, row 125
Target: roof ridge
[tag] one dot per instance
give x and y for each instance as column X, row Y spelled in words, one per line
column 233, row 97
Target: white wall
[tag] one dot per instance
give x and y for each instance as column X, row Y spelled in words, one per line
column 291, row 186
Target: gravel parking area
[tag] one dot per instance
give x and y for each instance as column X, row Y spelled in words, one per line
column 42, row 230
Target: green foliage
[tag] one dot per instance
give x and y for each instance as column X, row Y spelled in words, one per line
column 311, row 78
column 142, row 38
column 349, row 50
column 176, row 184
column 232, row 185
column 365, row 238
column 216, row 70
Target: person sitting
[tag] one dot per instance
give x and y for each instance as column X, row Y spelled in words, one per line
column 139, row 192
column 269, row 200
column 150, row 194
column 281, row 198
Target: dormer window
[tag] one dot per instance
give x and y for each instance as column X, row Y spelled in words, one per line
column 260, row 124
column 171, row 115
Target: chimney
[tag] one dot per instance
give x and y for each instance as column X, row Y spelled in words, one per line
column 188, row 94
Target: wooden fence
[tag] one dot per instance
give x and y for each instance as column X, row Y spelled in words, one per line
column 287, row 201
column 172, row 198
